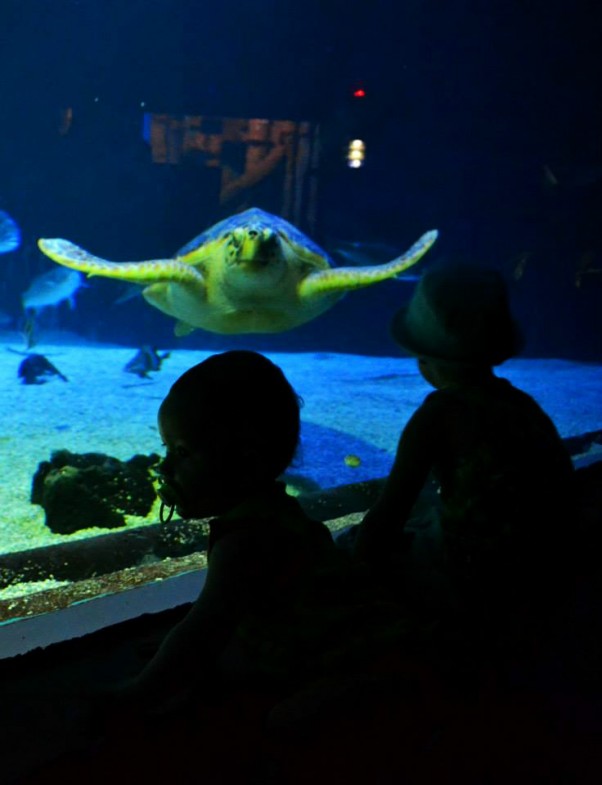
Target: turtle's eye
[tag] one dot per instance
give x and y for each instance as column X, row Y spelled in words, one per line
column 237, row 236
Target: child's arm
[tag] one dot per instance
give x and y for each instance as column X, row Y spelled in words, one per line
column 188, row 653
column 416, row 451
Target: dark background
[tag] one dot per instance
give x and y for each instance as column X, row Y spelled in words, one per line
column 466, row 102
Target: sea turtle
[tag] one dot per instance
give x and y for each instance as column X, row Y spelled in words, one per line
column 251, row 273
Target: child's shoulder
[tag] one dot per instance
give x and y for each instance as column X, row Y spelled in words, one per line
column 499, row 392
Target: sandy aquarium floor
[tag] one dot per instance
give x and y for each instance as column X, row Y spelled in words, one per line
column 354, row 406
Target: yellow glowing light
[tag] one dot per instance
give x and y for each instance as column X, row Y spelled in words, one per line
column 356, row 153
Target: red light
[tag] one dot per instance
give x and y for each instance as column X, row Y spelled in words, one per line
column 359, row 93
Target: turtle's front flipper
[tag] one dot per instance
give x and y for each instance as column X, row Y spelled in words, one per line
column 343, row 279
column 70, row 255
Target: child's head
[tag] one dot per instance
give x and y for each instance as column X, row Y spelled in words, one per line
column 459, row 321
column 230, row 424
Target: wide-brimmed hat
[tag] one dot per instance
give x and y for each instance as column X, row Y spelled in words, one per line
column 461, row 315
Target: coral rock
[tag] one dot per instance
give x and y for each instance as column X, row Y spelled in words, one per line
column 93, row 489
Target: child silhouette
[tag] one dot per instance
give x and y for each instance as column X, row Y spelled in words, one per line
column 504, row 476
column 231, row 426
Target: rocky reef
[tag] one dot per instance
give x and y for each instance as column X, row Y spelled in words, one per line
column 78, row 491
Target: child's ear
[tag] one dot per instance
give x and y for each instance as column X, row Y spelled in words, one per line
column 252, row 462
column 253, row 456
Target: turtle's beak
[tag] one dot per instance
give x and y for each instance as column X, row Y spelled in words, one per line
column 258, row 246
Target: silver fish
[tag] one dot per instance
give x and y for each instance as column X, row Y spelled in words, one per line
column 10, row 234
column 572, row 176
column 52, row 288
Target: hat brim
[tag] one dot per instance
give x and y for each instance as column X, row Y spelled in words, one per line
column 505, row 345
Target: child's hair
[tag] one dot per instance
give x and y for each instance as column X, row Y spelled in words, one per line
column 240, row 399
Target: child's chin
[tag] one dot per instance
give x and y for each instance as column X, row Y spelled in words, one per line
column 195, row 512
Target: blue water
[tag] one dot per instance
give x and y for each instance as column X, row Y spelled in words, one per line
column 479, row 120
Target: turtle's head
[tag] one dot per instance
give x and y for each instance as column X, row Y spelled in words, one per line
column 254, row 247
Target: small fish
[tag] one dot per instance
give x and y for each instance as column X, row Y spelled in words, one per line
column 572, row 176
column 146, row 359
column 586, row 267
column 365, row 250
column 128, row 293
column 10, row 234
column 52, row 288
column 30, row 329
column 518, row 264
column 36, row 369
column 66, row 120
column 352, row 460
column 549, row 178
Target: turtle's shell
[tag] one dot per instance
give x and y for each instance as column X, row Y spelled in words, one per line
column 299, row 241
